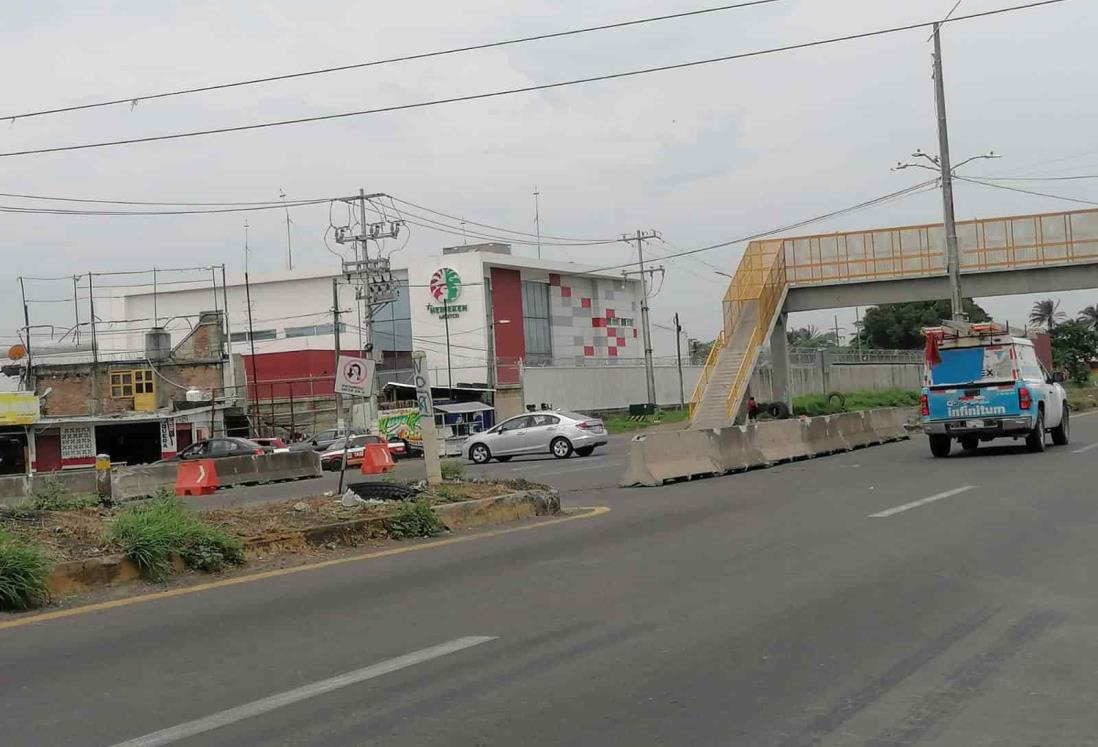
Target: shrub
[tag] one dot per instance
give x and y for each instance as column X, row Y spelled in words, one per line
column 152, row 533
column 24, row 568
column 449, row 493
column 50, row 494
column 453, row 469
column 415, row 520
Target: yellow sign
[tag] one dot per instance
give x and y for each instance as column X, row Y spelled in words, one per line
column 18, row 408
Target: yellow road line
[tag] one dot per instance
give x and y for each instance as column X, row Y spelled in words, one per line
column 590, row 513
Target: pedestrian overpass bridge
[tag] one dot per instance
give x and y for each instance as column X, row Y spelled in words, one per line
column 999, row 256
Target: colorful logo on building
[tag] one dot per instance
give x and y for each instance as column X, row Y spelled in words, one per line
column 445, row 285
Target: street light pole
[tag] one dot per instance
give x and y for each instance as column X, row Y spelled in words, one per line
column 953, row 257
column 649, row 372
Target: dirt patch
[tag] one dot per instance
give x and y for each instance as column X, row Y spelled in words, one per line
column 66, row 535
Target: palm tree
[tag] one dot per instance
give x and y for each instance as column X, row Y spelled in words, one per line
column 1046, row 314
column 1088, row 317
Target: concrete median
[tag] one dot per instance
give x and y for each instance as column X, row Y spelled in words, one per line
column 665, row 456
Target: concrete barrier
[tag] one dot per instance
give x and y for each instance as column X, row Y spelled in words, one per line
column 780, row 440
column 669, row 455
column 822, row 436
column 855, row 430
column 662, row 456
column 888, row 423
column 128, row 483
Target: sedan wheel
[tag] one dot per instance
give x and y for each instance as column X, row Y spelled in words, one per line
column 561, row 448
column 480, row 454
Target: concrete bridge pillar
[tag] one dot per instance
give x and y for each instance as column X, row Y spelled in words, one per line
column 779, row 362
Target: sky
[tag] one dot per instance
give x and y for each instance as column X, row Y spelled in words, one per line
column 701, row 155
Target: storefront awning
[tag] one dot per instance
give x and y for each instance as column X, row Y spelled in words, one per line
column 460, row 408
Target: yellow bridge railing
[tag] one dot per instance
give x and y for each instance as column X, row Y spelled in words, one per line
column 707, row 370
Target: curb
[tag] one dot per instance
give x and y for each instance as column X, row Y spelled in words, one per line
column 80, row 576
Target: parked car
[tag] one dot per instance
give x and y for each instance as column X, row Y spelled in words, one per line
column 356, row 451
column 323, row 441
column 555, row 432
column 277, row 445
column 215, row 448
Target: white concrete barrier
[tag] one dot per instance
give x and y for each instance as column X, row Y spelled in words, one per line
column 663, row 456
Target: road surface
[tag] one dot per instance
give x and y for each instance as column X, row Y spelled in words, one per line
column 600, row 470
column 872, row 598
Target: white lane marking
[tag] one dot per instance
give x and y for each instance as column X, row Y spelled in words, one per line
column 921, row 502
column 1086, row 448
column 265, row 705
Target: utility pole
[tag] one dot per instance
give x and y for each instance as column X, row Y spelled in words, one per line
column 678, row 355
column 373, row 278
column 650, row 374
column 95, row 348
column 537, row 218
column 449, row 366
column 251, row 331
column 953, row 257
column 335, row 333
column 289, row 247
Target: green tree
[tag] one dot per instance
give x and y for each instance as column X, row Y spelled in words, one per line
column 1046, row 314
column 699, row 351
column 1074, row 346
column 811, row 337
column 899, row 325
column 1088, row 317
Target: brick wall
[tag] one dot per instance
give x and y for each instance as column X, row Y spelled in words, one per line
column 72, row 386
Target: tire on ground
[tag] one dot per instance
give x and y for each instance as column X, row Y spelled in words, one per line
column 940, row 445
column 382, row 491
column 1062, row 432
column 1035, row 440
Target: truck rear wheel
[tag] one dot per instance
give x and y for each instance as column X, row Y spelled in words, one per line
column 970, row 443
column 1061, row 432
column 1035, row 441
column 940, row 445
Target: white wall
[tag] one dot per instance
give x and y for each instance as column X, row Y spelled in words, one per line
column 468, row 331
column 604, row 387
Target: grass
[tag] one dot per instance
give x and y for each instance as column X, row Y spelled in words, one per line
column 153, row 533
column 50, row 494
column 415, row 520
column 620, row 423
column 453, row 469
column 818, row 404
column 24, row 568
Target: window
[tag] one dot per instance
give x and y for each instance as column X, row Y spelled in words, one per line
column 515, row 424
column 535, row 322
column 393, row 323
column 313, row 330
column 1028, row 364
column 129, row 383
column 259, row 334
column 536, row 420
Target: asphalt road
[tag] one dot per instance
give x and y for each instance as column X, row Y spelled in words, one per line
column 600, row 470
column 873, row 598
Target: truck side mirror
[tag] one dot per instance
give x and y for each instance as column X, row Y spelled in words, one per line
column 1059, row 377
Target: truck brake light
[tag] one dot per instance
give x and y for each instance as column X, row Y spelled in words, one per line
column 1025, row 401
column 925, row 403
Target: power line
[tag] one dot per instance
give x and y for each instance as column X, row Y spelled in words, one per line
column 65, row 211
column 524, row 89
column 1035, row 178
column 133, row 100
column 1025, row 191
column 914, row 189
column 487, row 225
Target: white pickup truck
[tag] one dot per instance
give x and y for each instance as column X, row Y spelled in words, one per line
column 982, row 382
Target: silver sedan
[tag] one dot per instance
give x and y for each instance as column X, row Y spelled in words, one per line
column 553, row 432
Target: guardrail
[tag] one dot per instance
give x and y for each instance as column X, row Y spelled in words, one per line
column 1009, row 242
column 763, row 280
column 707, row 371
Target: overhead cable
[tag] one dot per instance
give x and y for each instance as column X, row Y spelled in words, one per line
column 1025, row 191
column 133, row 100
column 524, row 89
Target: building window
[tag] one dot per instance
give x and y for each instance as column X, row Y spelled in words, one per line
column 259, row 334
column 535, row 322
column 129, row 383
column 393, row 323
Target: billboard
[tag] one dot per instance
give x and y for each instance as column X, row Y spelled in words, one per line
column 18, row 408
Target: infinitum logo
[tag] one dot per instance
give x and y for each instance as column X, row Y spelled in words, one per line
column 975, row 411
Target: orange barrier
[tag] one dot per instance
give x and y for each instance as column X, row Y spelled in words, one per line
column 196, row 478
column 376, row 459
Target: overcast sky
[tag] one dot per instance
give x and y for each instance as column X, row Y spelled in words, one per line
column 702, row 155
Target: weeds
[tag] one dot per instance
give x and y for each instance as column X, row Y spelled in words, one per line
column 50, row 494
column 450, row 493
column 453, row 469
column 818, row 404
column 24, row 568
column 152, row 533
column 415, row 520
